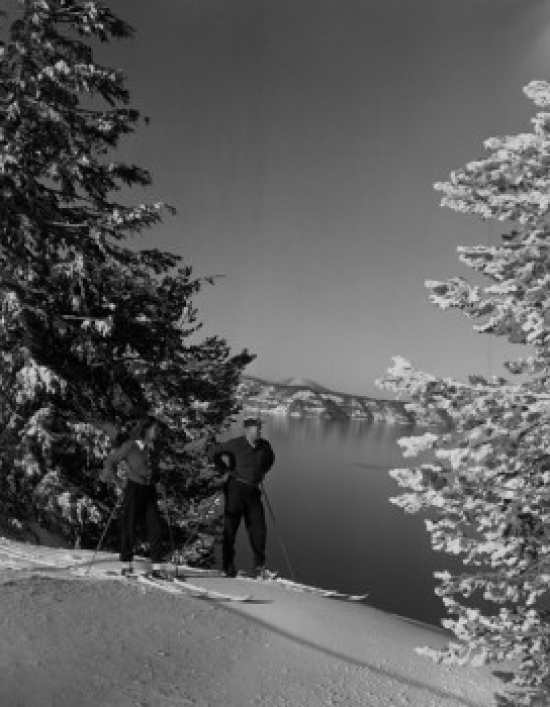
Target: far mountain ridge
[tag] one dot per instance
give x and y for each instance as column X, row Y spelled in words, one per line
column 304, row 383
column 309, row 384
column 302, row 397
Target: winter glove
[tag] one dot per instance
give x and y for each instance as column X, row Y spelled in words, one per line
column 107, row 474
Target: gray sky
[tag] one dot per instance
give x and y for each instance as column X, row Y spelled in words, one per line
column 299, row 141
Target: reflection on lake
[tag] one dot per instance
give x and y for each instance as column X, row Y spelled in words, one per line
column 329, row 490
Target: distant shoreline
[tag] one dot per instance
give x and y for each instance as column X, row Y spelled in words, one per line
column 307, row 399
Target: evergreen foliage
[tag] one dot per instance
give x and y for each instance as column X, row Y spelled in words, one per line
column 94, row 334
column 487, row 485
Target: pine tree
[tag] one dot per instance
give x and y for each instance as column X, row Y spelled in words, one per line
column 94, row 333
column 488, row 482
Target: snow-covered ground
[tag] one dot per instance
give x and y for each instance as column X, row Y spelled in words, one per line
column 78, row 638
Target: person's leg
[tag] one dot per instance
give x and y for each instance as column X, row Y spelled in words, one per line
column 232, row 521
column 130, row 514
column 256, row 527
column 153, row 521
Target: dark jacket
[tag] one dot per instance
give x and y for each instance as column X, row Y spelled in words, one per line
column 247, row 463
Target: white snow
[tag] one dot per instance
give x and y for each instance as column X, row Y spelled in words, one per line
column 73, row 638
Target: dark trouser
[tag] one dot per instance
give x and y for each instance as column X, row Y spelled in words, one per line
column 243, row 500
column 140, row 505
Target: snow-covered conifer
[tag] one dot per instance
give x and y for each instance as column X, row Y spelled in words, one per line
column 93, row 332
column 487, row 486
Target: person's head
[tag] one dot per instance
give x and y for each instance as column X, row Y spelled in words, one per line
column 252, row 428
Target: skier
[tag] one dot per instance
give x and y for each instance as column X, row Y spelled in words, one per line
column 140, row 496
column 246, row 459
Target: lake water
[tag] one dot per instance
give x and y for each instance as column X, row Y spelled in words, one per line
column 330, row 490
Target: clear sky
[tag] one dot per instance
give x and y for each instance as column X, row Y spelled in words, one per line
column 299, row 141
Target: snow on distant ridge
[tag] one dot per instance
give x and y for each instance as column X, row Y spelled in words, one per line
column 304, row 383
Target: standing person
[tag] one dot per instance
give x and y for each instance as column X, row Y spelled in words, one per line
column 140, row 497
column 247, row 458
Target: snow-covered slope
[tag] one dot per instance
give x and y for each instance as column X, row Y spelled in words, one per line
column 71, row 637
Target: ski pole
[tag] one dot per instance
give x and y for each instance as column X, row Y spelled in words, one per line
column 187, row 542
column 168, row 518
column 105, row 529
column 280, row 539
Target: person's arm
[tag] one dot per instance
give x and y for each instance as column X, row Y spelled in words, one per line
column 222, row 457
column 268, row 458
column 114, row 458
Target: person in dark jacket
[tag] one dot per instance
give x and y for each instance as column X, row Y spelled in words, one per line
column 139, row 503
column 247, row 459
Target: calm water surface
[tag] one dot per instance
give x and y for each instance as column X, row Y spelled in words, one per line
column 330, row 490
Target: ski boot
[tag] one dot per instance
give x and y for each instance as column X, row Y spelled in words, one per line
column 230, row 570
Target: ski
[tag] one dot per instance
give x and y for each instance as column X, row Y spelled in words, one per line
column 189, row 571
column 275, row 578
column 329, row 593
column 180, row 586
column 305, row 588
column 162, row 584
column 211, row 593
